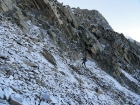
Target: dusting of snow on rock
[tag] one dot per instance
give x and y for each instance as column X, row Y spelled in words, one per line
column 130, row 77
column 33, row 80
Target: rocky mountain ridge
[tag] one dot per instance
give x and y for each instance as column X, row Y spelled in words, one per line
column 42, row 44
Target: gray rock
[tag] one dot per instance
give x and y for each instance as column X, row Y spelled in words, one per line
column 6, row 5
column 19, row 42
column 8, row 92
column 5, row 69
column 46, row 97
column 30, row 64
column 15, row 89
column 14, row 100
column 1, row 93
column 70, row 42
column 98, row 90
column 42, row 83
column 3, row 56
column 3, row 102
column 48, row 56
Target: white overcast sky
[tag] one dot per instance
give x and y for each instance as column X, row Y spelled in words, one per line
column 122, row 15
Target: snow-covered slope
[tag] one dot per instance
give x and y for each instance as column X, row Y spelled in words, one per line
column 28, row 78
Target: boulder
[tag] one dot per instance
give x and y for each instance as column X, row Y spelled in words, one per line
column 3, row 102
column 46, row 97
column 3, row 56
column 14, row 100
column 1, row 93
column 30, row 64
column 48, row 56
column 5, row 69
column 98, row 91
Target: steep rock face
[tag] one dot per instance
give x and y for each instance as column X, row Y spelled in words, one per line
column 42, row 44
column 88, row 18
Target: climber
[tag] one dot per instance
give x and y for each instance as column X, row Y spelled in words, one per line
column 84, row 61
column 85, row 57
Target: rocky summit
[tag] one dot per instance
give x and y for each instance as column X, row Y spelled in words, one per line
column 52, row 54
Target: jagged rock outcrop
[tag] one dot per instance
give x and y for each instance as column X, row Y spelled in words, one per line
column 42, row 43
